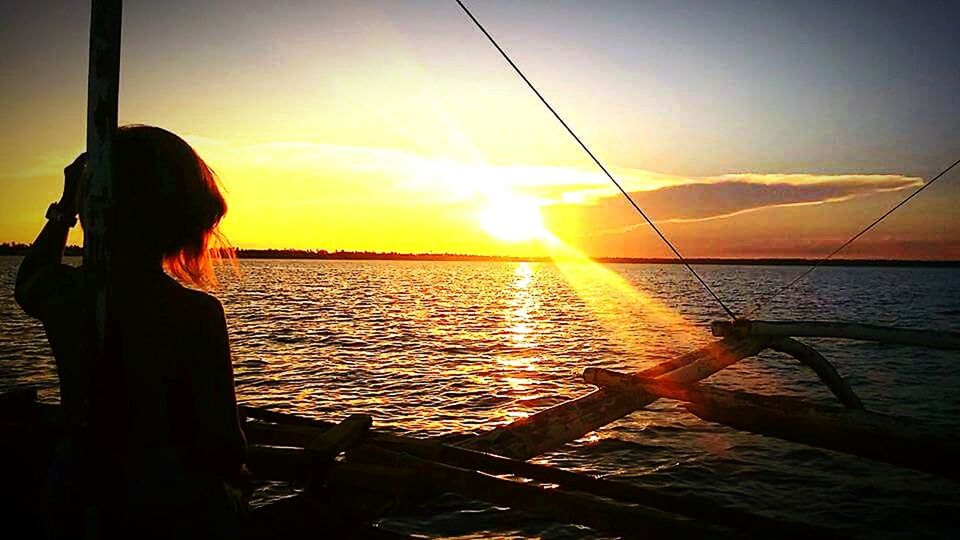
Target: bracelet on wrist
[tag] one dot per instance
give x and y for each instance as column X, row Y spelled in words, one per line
column 56, row 214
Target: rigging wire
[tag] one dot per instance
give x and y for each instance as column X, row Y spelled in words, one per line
column 764, row 301
column 633, row 203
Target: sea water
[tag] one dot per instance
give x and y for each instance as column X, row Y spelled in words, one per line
column 434, row 348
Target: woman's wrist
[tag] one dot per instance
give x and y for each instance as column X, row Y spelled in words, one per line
column 56, row 213
column 67, row 206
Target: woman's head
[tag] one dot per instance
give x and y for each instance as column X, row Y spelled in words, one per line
column 167, row 204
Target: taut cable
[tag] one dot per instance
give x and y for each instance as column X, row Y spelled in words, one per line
column 764, row 301
column 633, row 203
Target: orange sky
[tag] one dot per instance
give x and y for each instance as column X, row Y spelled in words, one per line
column 371, row 127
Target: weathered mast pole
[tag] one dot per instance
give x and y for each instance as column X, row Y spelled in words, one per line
column 102, row 103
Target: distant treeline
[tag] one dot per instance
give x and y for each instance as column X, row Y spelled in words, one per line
column 394, row 256
column 322, row 254
column 372, row 255
column 16, row 248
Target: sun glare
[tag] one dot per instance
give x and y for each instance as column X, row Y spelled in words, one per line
column 513, row 219
column 620, row 306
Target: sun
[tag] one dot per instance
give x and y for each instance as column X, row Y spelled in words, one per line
column 511, row 218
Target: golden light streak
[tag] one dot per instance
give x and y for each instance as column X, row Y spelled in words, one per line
column 621, row 308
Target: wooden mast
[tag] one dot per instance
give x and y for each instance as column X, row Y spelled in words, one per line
column 102, row 103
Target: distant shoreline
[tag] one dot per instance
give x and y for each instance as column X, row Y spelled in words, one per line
column 267, row 254
column 296, row 254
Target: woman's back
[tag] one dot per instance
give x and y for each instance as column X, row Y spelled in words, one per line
column 166, row 383
column 170, row 385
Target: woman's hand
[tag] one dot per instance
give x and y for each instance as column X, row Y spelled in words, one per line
column 72, row 176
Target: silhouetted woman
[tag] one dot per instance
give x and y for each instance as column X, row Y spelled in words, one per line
column 154, row 438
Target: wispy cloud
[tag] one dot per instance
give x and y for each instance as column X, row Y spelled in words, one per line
column 721, row 197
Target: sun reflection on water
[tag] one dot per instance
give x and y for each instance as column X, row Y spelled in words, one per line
column 522, row 306
column 519, row 363
column 622, row 310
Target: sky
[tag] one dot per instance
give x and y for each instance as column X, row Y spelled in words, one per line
column 744, row 129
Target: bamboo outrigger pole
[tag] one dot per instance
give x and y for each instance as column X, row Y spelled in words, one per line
column 890, row 439
column 102, row 103
column 551, row 428
column 933, row 339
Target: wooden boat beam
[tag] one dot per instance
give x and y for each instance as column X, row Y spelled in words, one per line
column 932, row 339
column 628, row 521
column 554, row 427
column 284, row 464
column 809, row 357
column 890, row 439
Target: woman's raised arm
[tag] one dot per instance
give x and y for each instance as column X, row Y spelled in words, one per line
column 47, row 250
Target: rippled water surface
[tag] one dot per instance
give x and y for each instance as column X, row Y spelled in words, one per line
column 431, row 348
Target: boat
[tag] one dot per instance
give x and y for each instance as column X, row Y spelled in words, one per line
column 350, row 475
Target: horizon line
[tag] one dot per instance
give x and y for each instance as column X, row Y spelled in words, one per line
column 18, row 248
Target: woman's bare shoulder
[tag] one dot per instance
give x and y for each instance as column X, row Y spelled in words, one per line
column 195, row 307
column 203, row 303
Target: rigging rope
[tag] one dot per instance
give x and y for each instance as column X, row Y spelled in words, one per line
column 764, row 301
column 633, row 203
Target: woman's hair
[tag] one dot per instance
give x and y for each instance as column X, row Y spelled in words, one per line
column 168, row 202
